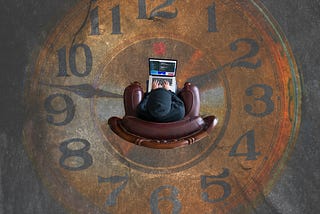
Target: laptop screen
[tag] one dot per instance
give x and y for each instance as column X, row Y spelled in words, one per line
column 162, row 67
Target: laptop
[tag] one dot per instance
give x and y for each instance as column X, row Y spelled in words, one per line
column 161, row 70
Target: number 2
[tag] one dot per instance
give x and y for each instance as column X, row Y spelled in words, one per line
column 156, row 12
column 254, row 49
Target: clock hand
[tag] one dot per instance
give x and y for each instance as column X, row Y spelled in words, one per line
column 85, row 90
column 83, row 23
column 204, row 80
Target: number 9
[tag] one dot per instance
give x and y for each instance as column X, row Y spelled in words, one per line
column 69, row 109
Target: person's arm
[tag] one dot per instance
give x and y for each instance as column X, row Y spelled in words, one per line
column 142, row 108
column 177, row 108
column 177, row 100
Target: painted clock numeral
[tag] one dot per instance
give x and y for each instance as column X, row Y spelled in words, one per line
column 254, row 49
column 212, row 20
column 116, row 27
column 94, row 20
column 112, row 197
column 157, row 11
column 69, row 109
column 203, row 80
column 251, row 153
column 79, row 159
column 155, row 199
column 266, row 99
column 205, row 184
column 62, row 59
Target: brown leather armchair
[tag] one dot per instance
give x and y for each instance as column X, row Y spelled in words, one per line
column 187, row 131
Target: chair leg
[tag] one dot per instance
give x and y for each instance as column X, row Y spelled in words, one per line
column 191, row 98
column 132, row 96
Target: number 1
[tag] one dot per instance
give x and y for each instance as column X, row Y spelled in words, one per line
column 116, row 27
column 212, row 21
column 94, row 18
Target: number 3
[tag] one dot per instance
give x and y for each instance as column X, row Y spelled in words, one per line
column 266, row 98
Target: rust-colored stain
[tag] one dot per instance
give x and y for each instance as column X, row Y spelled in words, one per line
column 159, row 48
column 232, row 50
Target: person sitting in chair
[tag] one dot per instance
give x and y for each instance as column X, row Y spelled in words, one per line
column 161, row 104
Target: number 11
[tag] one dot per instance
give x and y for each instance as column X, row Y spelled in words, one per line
column 94, row 20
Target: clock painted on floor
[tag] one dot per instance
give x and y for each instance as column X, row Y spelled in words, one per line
column 232, row 50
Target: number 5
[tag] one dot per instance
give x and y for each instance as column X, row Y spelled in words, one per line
column 206, row 184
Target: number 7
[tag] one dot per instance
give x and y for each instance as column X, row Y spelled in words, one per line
column 112, row 197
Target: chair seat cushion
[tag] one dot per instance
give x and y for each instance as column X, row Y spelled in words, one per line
column 162, row 131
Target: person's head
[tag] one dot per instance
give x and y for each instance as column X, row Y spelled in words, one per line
column 159, row 103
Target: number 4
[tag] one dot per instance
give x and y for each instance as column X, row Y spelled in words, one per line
column 251, row 149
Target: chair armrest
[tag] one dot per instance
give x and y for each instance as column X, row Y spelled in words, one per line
column 132, row 96
column 191, row 98
column 162, row 131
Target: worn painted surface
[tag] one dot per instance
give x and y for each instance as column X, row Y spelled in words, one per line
column 24, row 29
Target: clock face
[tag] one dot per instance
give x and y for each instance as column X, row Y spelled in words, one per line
column 232, row 50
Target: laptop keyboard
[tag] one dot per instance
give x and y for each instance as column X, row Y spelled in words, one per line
column 161, row 80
